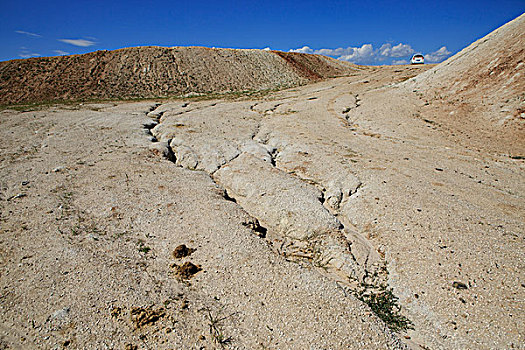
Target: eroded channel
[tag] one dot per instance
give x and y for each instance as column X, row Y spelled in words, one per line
column 286, row 178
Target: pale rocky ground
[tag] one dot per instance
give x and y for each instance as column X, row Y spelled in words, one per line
column 346, row 175
column 483, row 89
column 295, row 202
column 83, row 195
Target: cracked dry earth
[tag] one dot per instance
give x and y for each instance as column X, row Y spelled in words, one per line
column 254, row 224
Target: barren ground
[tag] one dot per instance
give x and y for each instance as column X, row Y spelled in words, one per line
column 294, row 203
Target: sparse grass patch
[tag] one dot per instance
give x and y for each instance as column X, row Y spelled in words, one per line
column 142, row 247
column 215, row 324
column 73, row 220
column 320, row 258
column 385, row 305
column 201, row 96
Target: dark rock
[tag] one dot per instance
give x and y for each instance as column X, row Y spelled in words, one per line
column 182, row 251
column 459, row 285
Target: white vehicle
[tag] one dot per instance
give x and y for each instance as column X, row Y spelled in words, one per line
column 417, row 59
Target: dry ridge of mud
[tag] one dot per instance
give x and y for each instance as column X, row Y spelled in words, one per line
column 157, row 71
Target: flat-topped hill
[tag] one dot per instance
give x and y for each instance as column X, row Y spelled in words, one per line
column 143, row 72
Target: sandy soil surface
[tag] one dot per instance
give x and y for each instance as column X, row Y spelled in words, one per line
column 91, row 216
column 371, row 211
column 294, row 204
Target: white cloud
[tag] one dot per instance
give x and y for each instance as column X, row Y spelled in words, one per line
column 60, row 52
column 437, row 56
column 361, row 54
column 26, row 53
column 399, row 62
column 267, row 49
column 28, row 34
column 365, row 54
column 349, row 53
column 304, row 49
column 78, row 42
column 336, row 52
column 400, row 50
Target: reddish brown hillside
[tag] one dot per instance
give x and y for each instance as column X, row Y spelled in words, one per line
column 156, row 71
column 313, row 67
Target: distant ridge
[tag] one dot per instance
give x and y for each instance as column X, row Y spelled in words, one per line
column 148, row 72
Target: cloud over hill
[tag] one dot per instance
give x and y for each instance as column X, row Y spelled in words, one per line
column 367, row 54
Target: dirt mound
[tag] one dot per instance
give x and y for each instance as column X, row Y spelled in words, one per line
column 485, row 77
column 143, row 72
column 314, row 67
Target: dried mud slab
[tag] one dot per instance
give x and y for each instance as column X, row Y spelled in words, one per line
column 186, row 271
column 182, row 251
column 282, row 203
column 141, row 317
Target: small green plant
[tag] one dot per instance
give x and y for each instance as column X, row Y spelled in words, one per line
column 215, row 324
column 142, row 247
column 385, row 305
column 75, row 230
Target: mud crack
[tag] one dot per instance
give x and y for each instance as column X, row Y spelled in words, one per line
column 298, row 213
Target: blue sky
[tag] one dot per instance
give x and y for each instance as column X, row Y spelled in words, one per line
column 368, row 32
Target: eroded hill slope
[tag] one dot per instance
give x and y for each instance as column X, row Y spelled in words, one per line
column 143, row 72
column 489, row 70
column 483, row 88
